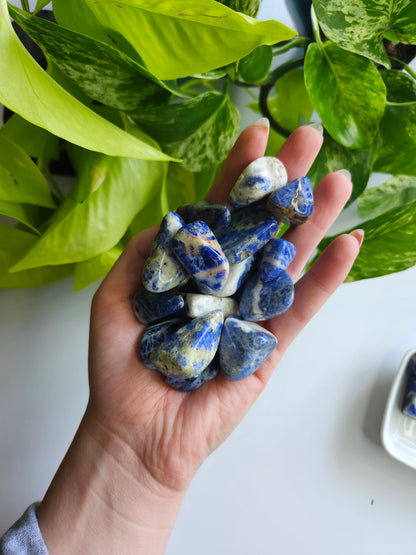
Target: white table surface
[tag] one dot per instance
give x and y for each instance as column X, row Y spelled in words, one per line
column 304, row 472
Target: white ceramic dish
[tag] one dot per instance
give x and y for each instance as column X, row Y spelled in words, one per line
column 398, row 431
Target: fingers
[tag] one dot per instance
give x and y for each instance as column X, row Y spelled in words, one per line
column 300, row 150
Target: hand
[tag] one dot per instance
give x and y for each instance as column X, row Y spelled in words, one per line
column 157, row 437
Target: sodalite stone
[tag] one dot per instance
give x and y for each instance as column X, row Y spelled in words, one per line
column 198, row 305
column 250, row 229
column 189, row 350
column 259, row 179
column 150, row 307
column 162, row 270
column 244, row 346
column 202, row 256
column 190, row 384
column 409, row 406
column 154, row 336
column 261, row 301
column 216, row 216
column 277, row 255
column 292, row 204
column 237, row 275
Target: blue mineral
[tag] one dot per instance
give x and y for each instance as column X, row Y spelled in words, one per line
column 244, row 346
column 154, row 336
column 277, row 255
column 261, row 301
column 250, row 229
column 189, row 350
column 292, row 204
column 198, row 250
column 150, row 307
column 237, row 275
column 409, row 406
column 190, row 384
column 216, row 216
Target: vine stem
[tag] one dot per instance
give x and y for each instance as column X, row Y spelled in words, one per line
column 294, row 43
column 405, row 66
column 25, row 5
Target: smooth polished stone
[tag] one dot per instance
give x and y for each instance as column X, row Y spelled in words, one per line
column 277, row 255
column 198, row 305
column 250, row 229
column 190, row 384
column 409, row 405
column 162, row 271
column 244, row 346
column 154, row 336
column 150, row 307
column 292, row 204
column 202, row 256
column 237, row 275
column 216, row 216
column 258, row 180
column 262, row 301
column 189, row 350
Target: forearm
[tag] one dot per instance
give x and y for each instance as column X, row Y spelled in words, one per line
column 102, row 500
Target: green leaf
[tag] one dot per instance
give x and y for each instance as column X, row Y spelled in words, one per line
column 14, row 243
column 291, row 106
column 333, row 157
column 109, row 193
column 101, row 71
column 40, row 4
column 397, row 191
column 347, row 92
column 249, row 7
column 359, row 25
column 180, row 186
column 255, row 66
column 24, row 213
column 200, row 131
column 20, row 179
column 91, row 270
column 35, row 141
column 176, row 39
column 29, row 91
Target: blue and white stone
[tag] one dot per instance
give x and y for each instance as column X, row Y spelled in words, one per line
column 150, row 307
column 258, row 180
column 292, row 204
column 189, row 350
column 277, row 255
column 262, row 301
column 154, row 336
column 216, row 216
column 250, row 229
column 237, row 275
column 197, row 305
column 162, row 271
column 244, row 347
column 409, row 405
column 190, row 384
column 198, row 250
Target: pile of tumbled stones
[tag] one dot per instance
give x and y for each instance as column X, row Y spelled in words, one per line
column 212, row 273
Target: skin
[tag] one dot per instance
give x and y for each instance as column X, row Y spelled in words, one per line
column 121, row 484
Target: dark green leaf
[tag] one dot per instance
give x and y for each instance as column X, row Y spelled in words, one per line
column 91, row 270
column 255, row 66
column 249, row 7
column 397, row 191
column 347, row 92
column 35, row 141
column 40, row 4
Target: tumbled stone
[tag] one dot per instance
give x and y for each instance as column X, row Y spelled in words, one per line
column 243, row 348
column 250, row 229
column 259, row 179
column 293, row 203
column 162, row 271
column 216, row 216
column 190, row 384
column 198, row 305
column 189, row 350
column 238, row 273
column 277, row 255
column 150, row 307
column 202, row 256
column 154, row 336
column 409, row 405
column 262, row 301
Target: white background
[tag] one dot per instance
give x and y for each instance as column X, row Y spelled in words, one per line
column 305, row 471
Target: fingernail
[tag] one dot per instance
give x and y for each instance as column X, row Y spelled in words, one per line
column 263, row 122
column 345, row 172
column 317, row 126
column 359, row 235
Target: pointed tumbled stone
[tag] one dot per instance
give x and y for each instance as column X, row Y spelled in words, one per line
column 238, row 273
column 244, row 346
column 190, row 384
column 216, row 216
column 162, row 271
column 198, row 305
column 259, row 179
column 189, row 350
column 150, row 307
column 277, row 255
column 292, row 204
column 262, row 301
column 202, row 256
column 250, row 229
column 409, row 405
column 154, row 336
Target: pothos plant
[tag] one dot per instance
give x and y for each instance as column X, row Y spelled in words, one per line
column 135, row 97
